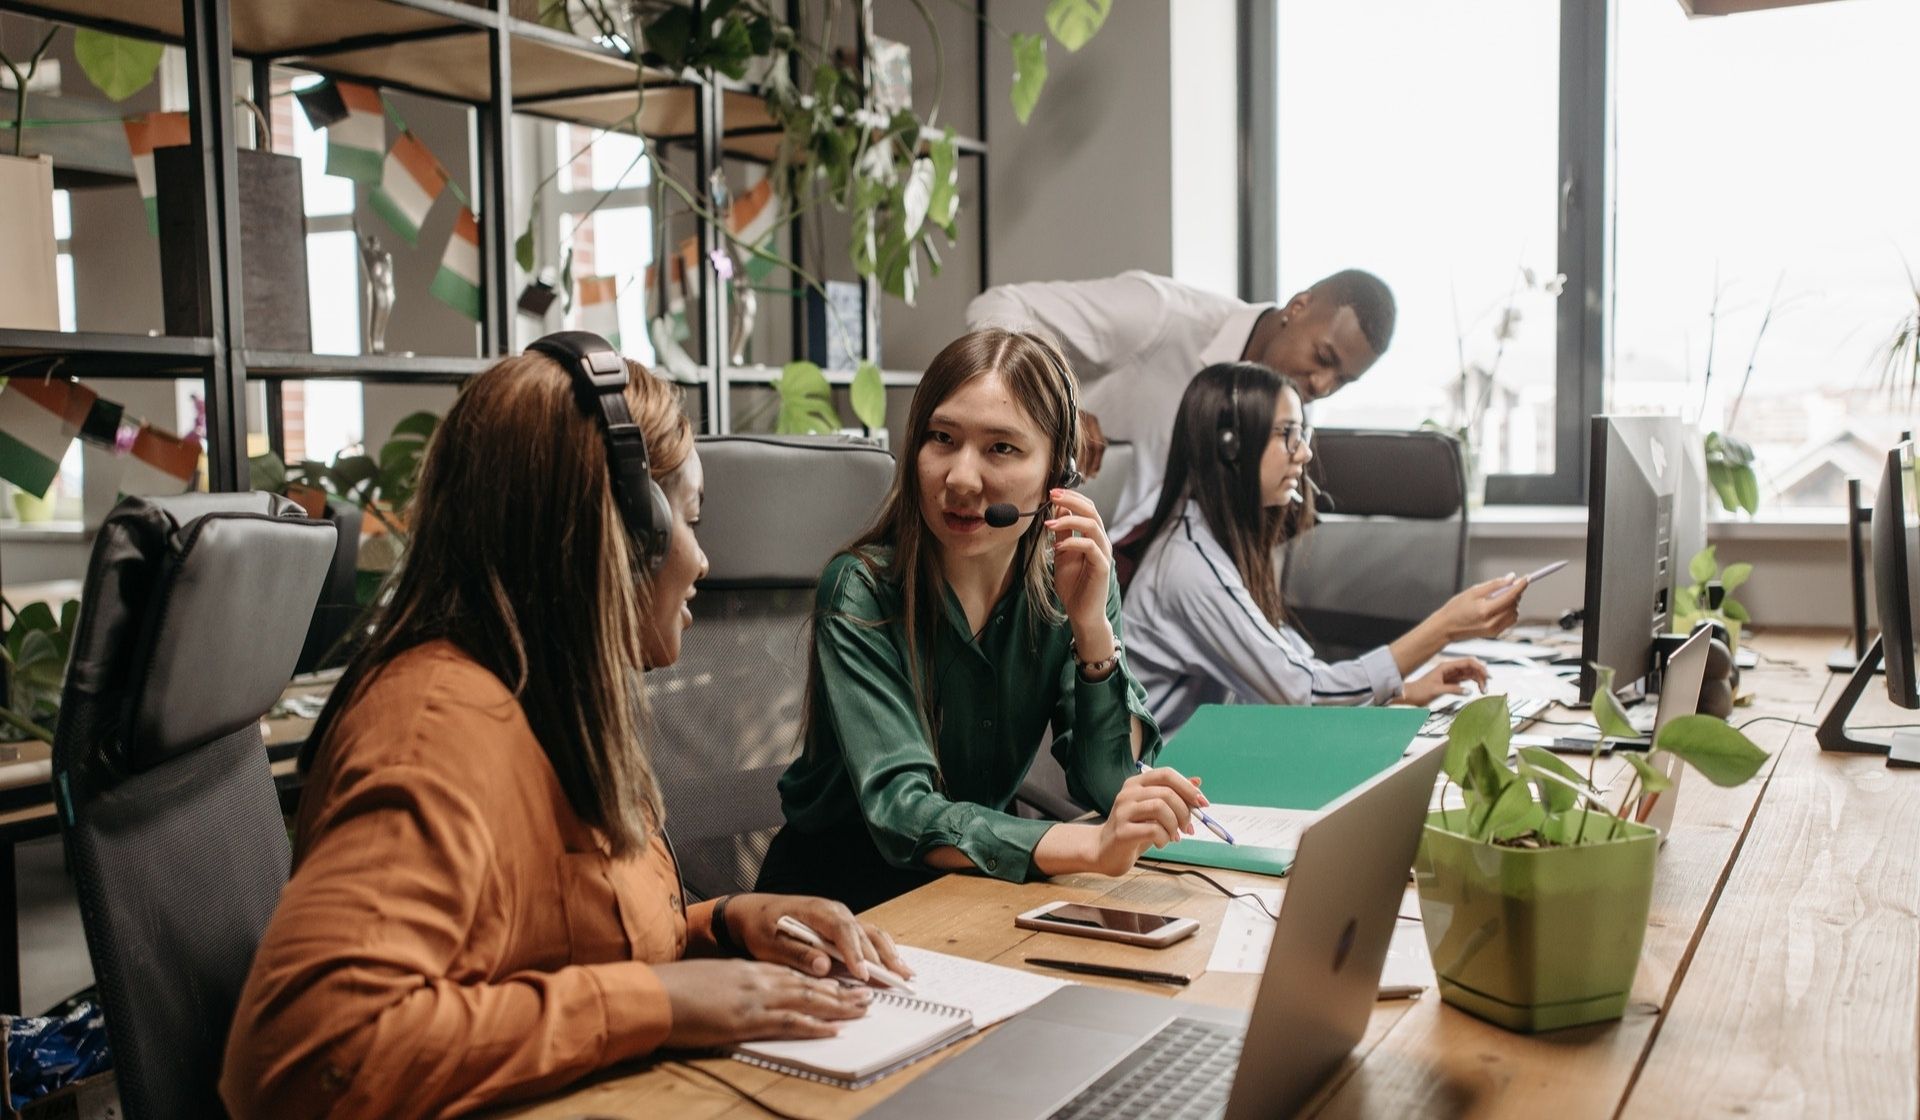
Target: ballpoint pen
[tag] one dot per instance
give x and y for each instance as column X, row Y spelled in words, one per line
column 1199, row 814
column 1116, row 971
column 879, row 975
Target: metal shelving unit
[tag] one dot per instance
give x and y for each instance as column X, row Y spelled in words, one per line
column 479, row 54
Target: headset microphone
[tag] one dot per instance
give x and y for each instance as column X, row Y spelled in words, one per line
column 1002, row 514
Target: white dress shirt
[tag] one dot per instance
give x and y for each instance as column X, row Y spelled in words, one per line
column 1194, row 636
column 1135, row 340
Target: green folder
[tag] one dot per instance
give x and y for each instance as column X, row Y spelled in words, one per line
column 1280, row 758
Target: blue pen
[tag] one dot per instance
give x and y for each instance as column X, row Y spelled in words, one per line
column 1213, row 826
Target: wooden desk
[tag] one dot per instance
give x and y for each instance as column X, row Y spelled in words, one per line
column 1781, row 973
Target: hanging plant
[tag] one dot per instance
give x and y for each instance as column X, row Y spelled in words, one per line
column 893, row 172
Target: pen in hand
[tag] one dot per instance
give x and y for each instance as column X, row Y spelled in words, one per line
column 878, row 975
column 1200, row 815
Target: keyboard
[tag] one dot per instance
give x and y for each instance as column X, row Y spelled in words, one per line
column 1519, row 713
column 1181, row 1073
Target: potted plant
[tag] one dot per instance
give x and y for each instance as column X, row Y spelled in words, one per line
column 35, row 650
column 1535, row 893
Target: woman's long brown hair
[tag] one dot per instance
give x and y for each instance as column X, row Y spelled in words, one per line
column 1228, row 493
column 518, row 555
column 1036, row 374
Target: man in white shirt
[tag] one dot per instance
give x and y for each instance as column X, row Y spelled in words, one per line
column 1136, row 339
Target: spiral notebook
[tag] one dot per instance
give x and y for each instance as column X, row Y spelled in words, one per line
column 954, row 998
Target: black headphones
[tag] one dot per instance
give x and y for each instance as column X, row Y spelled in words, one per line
column 599, row 382
column 1227, row 431
column 1071, row 476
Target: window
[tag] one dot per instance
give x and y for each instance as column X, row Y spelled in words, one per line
column 605, row 216
column 1741, row 192
column 1419, row 141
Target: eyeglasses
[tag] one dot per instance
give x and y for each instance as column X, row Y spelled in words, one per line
column 1295, row 436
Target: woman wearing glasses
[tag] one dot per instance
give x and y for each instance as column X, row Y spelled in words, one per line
column 1204, row 620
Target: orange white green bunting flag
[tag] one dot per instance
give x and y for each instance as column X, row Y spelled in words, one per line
column 39, row 419
column 410, row 181
column 457, row 284
column 160, row 463
column 597, row 307
column 144, row 134
column 752, row 221
column 354, row 142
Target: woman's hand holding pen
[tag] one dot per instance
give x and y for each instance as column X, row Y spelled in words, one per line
column 1485, row 610
column 753, row 919
column 1152, row 810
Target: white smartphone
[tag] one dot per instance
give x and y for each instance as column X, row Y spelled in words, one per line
column 1532, row 577
column 1107, row 923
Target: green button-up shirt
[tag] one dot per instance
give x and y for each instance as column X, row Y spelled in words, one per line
column 994, row 695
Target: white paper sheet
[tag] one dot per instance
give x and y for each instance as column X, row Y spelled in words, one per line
column 1246, row 936
column 1255, row 826
column 990, row 992
column 1493, row 649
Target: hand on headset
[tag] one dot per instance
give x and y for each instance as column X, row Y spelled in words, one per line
column 1082, row 565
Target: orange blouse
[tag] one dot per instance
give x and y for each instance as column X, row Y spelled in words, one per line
column 452, row 935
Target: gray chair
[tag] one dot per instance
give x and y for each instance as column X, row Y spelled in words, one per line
column 727, row 715
column 193, row 612
column 1391, row 544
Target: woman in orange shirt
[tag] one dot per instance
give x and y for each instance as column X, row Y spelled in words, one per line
column 483, row 904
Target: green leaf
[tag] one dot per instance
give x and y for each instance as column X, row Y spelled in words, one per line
column 1606, row 707
column 121, row 67
column 1734, row 610
column 35, row 617
column 1710, row 745
column 1541, row 759
column 523, row 248
column 1684, row 603
column 1721, row 477
column 266, row 472
column 1747, row 487
column 803, row 379
column 731, row 50
column 1735, row 575
column 869, row 396
column 1505, row 813
column 566, row 282
column 418, row 424
column 1703, row 565
column 1073, row 22
column 1651, row 780
column 1487, row 776
column 945, row 202
column 1481, row 721
column 1555, row 793
column 669, row 35
column 1029, row 73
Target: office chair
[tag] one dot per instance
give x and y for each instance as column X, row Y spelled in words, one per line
column 1391, row 544
column 726, row 717
column 339, row 606
column 190, row 621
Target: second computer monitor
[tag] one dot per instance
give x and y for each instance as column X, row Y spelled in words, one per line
column 1632, row 558
column 1896, row 572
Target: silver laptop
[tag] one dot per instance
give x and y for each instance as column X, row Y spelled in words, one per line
column 1096, row 1052
column 1679, row 696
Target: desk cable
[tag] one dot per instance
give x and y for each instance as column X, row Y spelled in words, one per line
column 1214, row 883
column 736, row 1090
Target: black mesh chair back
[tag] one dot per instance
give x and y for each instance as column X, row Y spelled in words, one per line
column 1391, row 543
column 726, row 717
column 193, row 612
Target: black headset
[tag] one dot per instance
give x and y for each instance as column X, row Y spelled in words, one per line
column 1227, row 430
column 1071, row 476
column 599, row 381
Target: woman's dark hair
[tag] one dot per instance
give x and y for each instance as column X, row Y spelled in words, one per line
column 1036, row 375
column 517, row 554
column 1228, row 492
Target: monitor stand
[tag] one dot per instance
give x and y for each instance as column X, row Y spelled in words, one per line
column 1833, row 735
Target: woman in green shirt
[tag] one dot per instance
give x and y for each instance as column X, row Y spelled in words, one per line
column 945, row 646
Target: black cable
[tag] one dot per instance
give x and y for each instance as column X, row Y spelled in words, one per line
column 736, row 1090
column 1216, row 885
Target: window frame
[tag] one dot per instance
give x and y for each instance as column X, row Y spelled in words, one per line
column 1586, row 168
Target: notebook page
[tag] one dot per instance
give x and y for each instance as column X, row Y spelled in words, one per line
column 990, row 992
column 892, row 1030
column 1256, row 826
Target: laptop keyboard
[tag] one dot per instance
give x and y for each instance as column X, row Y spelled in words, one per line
column 1520, row 713
column 1182, row 1072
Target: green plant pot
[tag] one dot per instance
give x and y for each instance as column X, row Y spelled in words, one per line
column 32, row 510
column 1535, row 940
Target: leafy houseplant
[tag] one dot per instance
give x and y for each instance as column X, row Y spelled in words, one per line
column 35, row 649
column 1535, row 894
column 1709, row 598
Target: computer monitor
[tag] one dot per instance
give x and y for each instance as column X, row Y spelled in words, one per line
column 1692, row 494
column 1896, row 579
column 1632, row 560
column 1896, row 572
